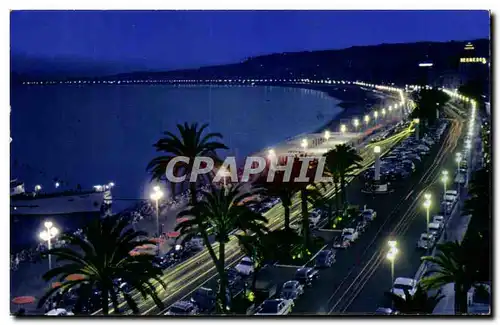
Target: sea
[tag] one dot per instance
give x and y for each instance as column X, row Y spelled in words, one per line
column 95, row 134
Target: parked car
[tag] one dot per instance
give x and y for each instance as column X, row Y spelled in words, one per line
column 325, row 258
column 306, row 275
column 341, row 242
column 245, row 266
column 386, row 311
column 439, row 220
column 59, row 312
column 182, row 308
column 425, row 241
column 291, row 290
column 361, row 226
column 369, row 214
column 205, row 298
column 350, row 234
column 275, row 307
column 233, row 277
column 401, row 283
column 435, row 229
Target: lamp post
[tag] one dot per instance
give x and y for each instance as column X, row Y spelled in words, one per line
column 343, row 128
column 327, row 135
column 47, row 235
column 367, row 120
column 458, row 159
column 303, row 144
column 444, row 179
column 391, row 256
column 156, row 196
column 377, row 150
column 355, row 122
column 375, row 115
column 427, row 205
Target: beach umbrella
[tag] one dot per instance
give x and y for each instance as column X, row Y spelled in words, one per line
column 23, row 300
column 173, row 234
column 56, row 285
column 75, row 277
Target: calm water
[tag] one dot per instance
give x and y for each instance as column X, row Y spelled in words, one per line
column 95, row 134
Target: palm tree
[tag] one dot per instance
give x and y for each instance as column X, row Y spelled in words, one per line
column 191, row 143
column 100, row 258
column 455, row 264
column 344, row 159
column 332, row 170
column 222, row 208
column 309, row 194
column 418, row 303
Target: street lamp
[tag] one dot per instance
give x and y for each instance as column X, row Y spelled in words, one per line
column 383, row 111
column 375, row 115
column 390, row 108
column 377, row 151
column 417, row 128
column 303, row 144
column 57, row 184
column 427, row 205
column 271, row 153
column 343, row 128
column 47, row 235
column 156, row 196
column 444, row 179
column 38, row 188
column 327, row 135
column 356, row 123
column 391, row 256
column 367, row 119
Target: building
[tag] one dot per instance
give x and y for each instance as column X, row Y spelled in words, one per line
column 473, row 65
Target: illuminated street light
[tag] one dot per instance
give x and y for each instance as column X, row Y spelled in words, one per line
column 356, row 123
column 377, row 150
column 427, row 196
column 444, row 179
column 367, row 119
column 57, row 184
column 327, row 135
column 417, row 128
column 156, row 196
column 390, row 108
column 383, row 111
column 47, row 235
column 375, row 114
column 427, row 205
column 303, row 144
column 38, row 188
column 271, row 153
column 391, row 256
column 343, row 128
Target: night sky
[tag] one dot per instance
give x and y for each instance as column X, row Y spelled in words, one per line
column 178, row 39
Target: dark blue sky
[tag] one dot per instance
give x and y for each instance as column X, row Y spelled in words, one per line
column 176, row 39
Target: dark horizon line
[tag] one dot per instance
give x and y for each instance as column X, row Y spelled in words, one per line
column 168, row 70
